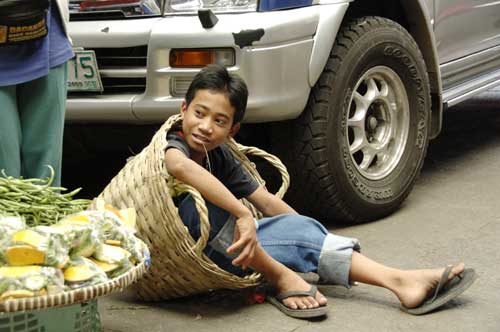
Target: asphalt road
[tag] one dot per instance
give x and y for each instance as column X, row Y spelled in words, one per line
column 453, row 214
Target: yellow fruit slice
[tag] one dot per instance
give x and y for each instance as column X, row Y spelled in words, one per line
column 76, row 219
column 15, row 294
column 111, row 208
column 129, row 217
column 113, row 242
column 24, row 255
column 18, row 271
column 30, row 237
column 78, row 273
column 106, row 267
column 111, row 254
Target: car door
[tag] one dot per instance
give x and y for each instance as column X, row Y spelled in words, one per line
column 464, row 27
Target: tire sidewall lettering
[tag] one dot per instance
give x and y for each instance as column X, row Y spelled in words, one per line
column 421, row 112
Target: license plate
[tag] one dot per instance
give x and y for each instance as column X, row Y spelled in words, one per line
column 83, row 74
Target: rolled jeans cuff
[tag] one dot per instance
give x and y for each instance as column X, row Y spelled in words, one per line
column 335, row 259
column 224, row 238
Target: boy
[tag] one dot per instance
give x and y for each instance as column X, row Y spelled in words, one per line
column 196, row 154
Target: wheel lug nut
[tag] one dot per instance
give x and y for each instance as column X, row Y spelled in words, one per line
column 372, row 122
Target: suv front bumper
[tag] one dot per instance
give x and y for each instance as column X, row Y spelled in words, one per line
column 276, row 67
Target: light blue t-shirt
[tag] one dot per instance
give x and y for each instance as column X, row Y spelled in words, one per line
column 27, row 61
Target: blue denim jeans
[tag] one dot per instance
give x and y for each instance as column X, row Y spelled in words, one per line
column 299, row 242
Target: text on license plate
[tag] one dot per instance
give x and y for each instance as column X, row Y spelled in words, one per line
column 83, row 73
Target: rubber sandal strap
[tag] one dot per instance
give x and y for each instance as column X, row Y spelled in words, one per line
column 311, row 292
column 444, row 279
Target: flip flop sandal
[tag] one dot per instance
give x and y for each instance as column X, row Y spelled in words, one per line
column 277, row 301
column 309, row 277
column 445, row 291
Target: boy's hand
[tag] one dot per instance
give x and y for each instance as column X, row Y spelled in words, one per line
column 245, row 239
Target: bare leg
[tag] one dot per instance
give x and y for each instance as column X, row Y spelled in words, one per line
column 284, row 279
column 410, row 286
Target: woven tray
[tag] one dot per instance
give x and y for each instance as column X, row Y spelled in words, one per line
column 79, row 295
column 178, row 265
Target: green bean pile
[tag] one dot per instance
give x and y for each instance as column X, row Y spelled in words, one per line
column 36, row 201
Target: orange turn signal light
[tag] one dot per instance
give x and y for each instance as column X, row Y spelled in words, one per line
column 182, row 58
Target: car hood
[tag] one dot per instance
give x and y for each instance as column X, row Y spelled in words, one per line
column 111, row 33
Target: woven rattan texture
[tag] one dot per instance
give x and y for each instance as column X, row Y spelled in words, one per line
column 178, row 265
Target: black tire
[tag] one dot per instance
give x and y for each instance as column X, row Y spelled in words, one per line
column 331, row 182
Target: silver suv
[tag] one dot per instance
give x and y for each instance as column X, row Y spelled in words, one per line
column 352, row 90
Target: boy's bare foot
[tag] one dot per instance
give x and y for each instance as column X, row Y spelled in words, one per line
column 414, row 286
column 290, row 281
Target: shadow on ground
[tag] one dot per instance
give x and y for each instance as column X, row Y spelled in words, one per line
column 465, row 131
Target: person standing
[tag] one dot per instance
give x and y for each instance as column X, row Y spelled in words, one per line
column 34, row 50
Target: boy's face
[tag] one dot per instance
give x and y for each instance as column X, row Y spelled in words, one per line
column 207, row 121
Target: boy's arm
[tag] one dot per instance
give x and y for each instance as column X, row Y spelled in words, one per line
column 191, row 173
column 269, row 204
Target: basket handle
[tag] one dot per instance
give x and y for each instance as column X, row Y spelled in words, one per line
column 274, row 161
column 200, row 202
column 202, row 212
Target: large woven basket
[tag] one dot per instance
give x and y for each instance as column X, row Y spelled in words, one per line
column 178, row 265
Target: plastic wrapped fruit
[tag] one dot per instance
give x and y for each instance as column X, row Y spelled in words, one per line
column 82, row 272
column 37, row 247
column 32, row 280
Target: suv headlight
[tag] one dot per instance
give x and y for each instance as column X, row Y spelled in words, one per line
column 190, row 6
column 123, row 7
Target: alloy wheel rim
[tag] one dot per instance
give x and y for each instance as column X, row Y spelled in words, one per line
column 378, row 122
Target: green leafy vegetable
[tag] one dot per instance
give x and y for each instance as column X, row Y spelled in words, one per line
column 36, row 201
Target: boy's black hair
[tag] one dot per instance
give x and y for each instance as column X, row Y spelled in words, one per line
column 216, row 78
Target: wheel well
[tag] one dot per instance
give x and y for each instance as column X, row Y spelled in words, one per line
column 390, row 9
column 412, row 16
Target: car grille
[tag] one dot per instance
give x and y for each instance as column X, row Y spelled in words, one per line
column 123, row 70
